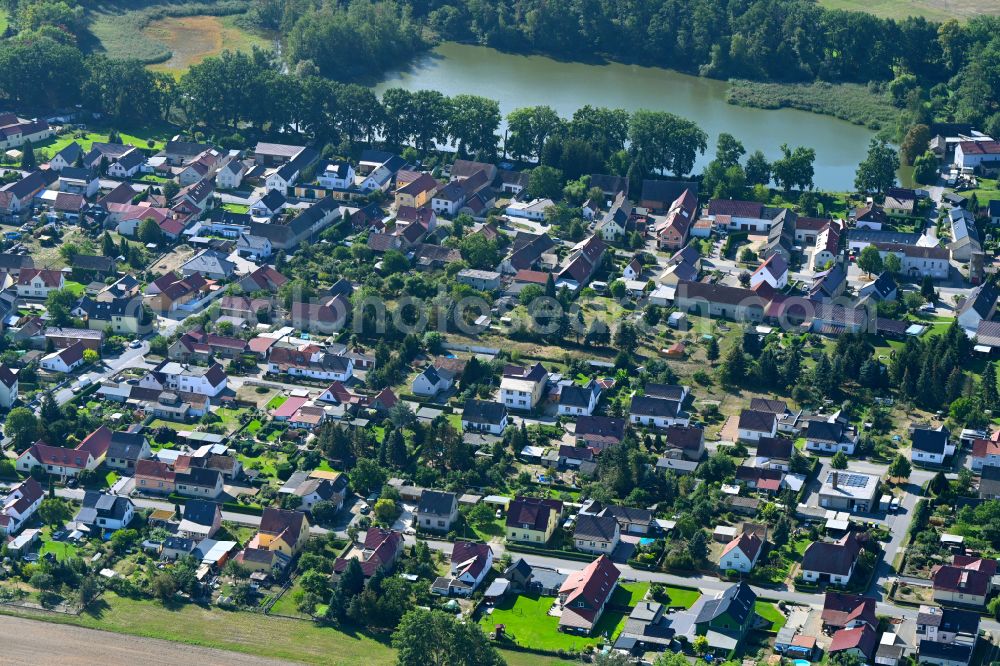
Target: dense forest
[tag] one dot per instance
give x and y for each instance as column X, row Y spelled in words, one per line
column 930, row 71
column 946, row 71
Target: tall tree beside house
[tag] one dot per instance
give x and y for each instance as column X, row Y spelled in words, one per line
column 925, row 168
column 435, row 638
column 428, row 123
column 170, row 190
column 728, row 150
column 733, row 368
column 900, row 468
column 988, row 392
column 125, row 90
column 149, row 231
column 712, row 350
column 54, row 512
column 794, row 169
column 473, row 122
column 758, row 169
column 870, row 260
column 877, row 173
column 28, row 162
column 915, row 143
column 927, row 288
column 528, row 129
column 108, row 247
column 661, row 141
column 603, row 129
column 839, row 460
column 892, row 263
column 545, row 181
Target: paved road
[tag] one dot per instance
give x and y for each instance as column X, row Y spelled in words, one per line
column 130, row 358
column 35, row 642
column 148, row 503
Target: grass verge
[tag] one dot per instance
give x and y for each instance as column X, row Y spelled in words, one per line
column 248, row 633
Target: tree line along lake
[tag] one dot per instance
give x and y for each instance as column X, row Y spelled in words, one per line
column 519, row 81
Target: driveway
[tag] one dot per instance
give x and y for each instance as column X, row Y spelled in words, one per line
column 130, row 358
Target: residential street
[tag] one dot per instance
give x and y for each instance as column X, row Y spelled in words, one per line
column 130, row 358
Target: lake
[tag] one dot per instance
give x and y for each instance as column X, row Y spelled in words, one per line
column 519, row 80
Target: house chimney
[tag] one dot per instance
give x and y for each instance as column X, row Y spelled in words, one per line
column 834, row 478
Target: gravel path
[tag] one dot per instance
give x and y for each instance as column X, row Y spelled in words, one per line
column 37, row 642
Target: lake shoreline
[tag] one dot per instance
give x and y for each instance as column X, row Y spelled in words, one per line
column 520, row 80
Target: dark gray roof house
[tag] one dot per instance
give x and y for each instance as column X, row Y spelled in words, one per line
column 646, row 405
column 738, row 601
column 438, row 503
column 100, row 508
column 484, row 412
column 201, row 512
column 930, row 441
column 595, row 528
column 126, row 445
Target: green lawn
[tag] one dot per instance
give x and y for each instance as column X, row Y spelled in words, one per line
column 529, row 624
column 111, row 479
column 265, row 463
column 324, row 466
column 770, row 612
column 164, row 423
column 456, row 421
column 681, row 596
column 235, row 208
column 230, row 417
column 800, row 545
column 248, row 633
column 254, row 426
column 75, row 288
column 629, row 594
column 276, row 401
column 987, row 190
column 140, row 138
column 61, row 549
column 285, row 605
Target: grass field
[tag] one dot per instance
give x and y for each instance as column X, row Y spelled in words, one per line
column 276, row 401
column 191, row 39
column 681, row 596
column 277, row 638
column 629, row 594
column 75, row 288
column 770, row 612
column 61, row 549
column 938, row 10
column 988, row 190
column 150, row 30
column 157, row 134
column 529, row 624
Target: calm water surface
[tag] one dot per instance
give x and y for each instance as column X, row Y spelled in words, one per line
column 518, row 80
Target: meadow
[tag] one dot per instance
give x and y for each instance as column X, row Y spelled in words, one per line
column 172, row 36
column 934, row 10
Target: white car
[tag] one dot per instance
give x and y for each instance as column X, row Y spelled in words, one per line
column 135, row 344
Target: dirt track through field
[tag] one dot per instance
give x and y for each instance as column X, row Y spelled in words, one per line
column 35, row 642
